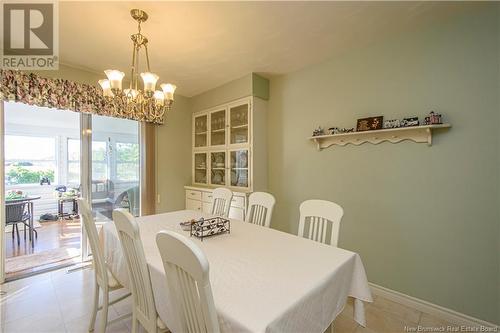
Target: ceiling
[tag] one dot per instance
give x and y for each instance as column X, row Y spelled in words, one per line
column 201, row 45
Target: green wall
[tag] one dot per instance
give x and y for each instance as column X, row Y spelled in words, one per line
column 173, row 156
column 73, row 74
column 228, row 92
column 425, row 220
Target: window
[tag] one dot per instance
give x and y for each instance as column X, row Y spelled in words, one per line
column 99, row 161
column 28, row 159
column 73, row 162
column 127, row 161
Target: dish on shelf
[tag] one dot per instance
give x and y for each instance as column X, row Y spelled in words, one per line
column 243, row 161
column 218, row 177
column 234, row 178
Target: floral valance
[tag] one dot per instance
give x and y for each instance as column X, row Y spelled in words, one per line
column 62, row 94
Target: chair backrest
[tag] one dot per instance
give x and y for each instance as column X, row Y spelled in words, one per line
column 15, row 212
column 186, row 268
column 97, row 254
column 320, row 215
column 260, row 208
column 221, row 201
column 138, row 271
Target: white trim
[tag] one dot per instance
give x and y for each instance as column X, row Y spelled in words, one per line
column 438, row 311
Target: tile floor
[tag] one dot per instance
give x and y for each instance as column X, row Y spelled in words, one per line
column 61, row 302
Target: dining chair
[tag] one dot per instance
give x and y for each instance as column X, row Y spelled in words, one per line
column 104, row 279
column 260, row 208
column 144, row 310
column 221, row 201
column 319, row 216
column 187, row 269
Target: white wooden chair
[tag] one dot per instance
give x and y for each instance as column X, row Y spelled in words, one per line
column 260, row 208
column 320, row 215
column 103, row 278
column 186, row 268
column 221, row 201
column 144, row 310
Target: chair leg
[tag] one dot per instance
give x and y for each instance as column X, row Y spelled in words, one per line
column 104, row 313
column 17, row 232
column 96, row 306
column 13, row 229
column 24, row 232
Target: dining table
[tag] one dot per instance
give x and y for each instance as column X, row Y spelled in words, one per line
column 263, row 280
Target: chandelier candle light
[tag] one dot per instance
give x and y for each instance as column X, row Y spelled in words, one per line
column 133, row 101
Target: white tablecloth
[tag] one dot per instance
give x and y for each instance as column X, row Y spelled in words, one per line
column 263, row 280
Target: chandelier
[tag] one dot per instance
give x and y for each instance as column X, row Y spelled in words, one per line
column 148, row 102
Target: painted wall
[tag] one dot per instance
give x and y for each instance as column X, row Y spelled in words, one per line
column 425, row 220
column 498, row 160
column 173, row 156
column 74, row 74
column 228, row 92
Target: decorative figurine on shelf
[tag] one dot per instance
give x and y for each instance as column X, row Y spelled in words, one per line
column 433, row 119
column 407, row 122
column 392, row 123
column 318, row 131
column 336, row 130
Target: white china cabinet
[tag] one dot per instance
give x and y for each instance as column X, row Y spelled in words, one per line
column 229, row 150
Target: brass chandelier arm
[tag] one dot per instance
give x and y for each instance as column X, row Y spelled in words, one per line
column 132, row 67
column 147, row 56
column 136, row 77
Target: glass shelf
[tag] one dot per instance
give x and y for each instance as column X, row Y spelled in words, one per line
column 201, row 130
column 239, row 168
column 218, row 168
column 238, row 118
column 218, row 128
column 200, row 168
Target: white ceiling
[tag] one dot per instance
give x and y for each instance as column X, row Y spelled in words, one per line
column 201, row 45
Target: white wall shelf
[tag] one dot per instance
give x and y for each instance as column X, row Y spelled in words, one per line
column 419, row 134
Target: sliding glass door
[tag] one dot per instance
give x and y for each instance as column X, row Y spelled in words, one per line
column 115, row 166
column 112, row 167
column 51, row 158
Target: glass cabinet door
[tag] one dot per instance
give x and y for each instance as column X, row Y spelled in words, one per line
column 218, row 168
column 239, row 168
column 238, row 120
column 200, row 168
column 201, row 130
column 218, row 128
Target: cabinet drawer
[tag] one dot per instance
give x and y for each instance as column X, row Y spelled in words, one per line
column 193, row 204
column 206, row 197
column 238, row 202
column 195, row 195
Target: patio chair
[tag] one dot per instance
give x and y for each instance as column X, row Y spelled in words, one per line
column 15, row 213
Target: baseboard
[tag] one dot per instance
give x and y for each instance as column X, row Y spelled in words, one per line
column 438, row 311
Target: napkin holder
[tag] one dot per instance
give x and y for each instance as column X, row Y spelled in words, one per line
column 210, row 227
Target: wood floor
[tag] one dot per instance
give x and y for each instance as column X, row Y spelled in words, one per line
column 51, row 235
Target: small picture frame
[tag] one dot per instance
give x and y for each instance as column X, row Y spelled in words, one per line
column 369, row 124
